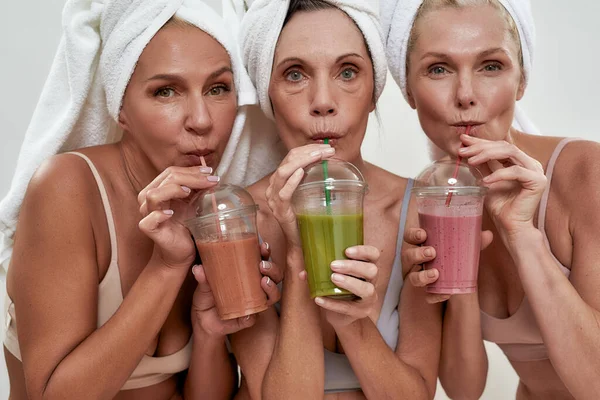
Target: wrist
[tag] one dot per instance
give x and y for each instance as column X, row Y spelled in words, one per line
column 208, row 339
column 354, row 329
column 525, row 244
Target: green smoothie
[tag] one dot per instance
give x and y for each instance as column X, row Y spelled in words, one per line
column 325, row 239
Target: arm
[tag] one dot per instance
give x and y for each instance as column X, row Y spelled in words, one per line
column 464, row 362
column 54, row 277
column 411, row 371
column 297, row 369
column 566, row 311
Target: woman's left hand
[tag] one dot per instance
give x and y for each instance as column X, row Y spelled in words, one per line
column 516, row 183
column 357, row 275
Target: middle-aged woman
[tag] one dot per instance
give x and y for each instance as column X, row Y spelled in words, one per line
column 319, row 68
column 466, row 63
column 101, row 300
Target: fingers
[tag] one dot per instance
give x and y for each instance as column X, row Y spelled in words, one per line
column 231, row 326
column 175, row 174
column 486, row 239
column 287, row 191
column 436, row 298
column 158, row 199
column 364, row 253
column 272, row 271
column 363, row 289
column 418, row 255
column 528, row 179
column 271, row 289
column 149, row 224
column 354, row 268
column 481, row 151
column 303, row 275
column 415, row 236
column 200, row 275
column 300, row 157
column 423, row 278
column 265, row 251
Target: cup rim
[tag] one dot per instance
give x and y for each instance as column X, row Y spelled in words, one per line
column 221, row 215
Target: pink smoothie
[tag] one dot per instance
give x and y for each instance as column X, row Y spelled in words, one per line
column 457, row 242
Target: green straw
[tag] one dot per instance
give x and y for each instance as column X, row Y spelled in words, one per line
column 325, row 177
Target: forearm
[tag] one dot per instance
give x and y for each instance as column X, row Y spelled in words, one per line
column 211, row 374
column 464, row 363
column 569, row 326
column 296, row 370
column 381, row 372
column 100, row 365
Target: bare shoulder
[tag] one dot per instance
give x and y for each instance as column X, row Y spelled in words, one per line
column 388, row 184
column 62, row 182
column 576, row 175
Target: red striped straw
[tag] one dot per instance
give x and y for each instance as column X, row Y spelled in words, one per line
column 214, row 202
column 458, row 160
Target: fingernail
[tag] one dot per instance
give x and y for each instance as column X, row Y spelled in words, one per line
column 186, row 189
column 338, row 277
column 431, row 273
column 319, row 301
column 213, row 178
column 206, row 170
column 169, row 212
column 315, row 153
column 428, row 252
column 268, row 281
column 350, row 251
column 462, row 150
column 337, row 265
column 194, row 270
column 265, row 265
column 486, row 179
column 267, row 246
column 419, row 235
column 247, row 318
column 330, row 150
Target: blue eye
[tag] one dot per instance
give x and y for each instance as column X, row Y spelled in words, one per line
column 437, row 70
column 218, row 90
column 164, row 92
column 492, row 67
column 294, row 76
column 348, row 74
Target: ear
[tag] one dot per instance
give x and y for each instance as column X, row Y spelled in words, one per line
column 410, row 98
column 373, row 104
column 521, row 89
column 123, row 121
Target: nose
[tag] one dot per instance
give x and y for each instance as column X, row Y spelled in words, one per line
column 323, row 101
column 465, row 93
column 198, row 119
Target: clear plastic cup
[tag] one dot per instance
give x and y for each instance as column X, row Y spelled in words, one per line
column 450, row 205
column 225, row 234
column 329, row 208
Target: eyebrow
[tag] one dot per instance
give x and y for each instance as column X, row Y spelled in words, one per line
column 174, row 77
column 483, row 54
column 299, row 60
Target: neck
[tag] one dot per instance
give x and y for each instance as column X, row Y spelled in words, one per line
column 137, row 167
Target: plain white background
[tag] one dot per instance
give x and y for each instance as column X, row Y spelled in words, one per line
column 561, row 99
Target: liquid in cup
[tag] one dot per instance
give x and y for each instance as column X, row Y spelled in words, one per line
column 329, row 211
column 228, row 245
column 454, row 229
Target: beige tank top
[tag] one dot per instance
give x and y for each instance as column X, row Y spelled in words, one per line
column 150, row 370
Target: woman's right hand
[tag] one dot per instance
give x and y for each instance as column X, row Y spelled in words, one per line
column 285, row 180
column 204, row 311
column 416, row 256
column 164, row 211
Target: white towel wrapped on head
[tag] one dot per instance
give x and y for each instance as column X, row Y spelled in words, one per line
column 397, row 20
column 81, row 100
column 263, row 23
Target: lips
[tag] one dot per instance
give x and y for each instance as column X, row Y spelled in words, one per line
column 195, row 157
column 461, row 128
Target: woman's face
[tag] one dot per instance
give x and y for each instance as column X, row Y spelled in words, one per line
column 322, row 82
column 180, row 103
column 464, row 70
